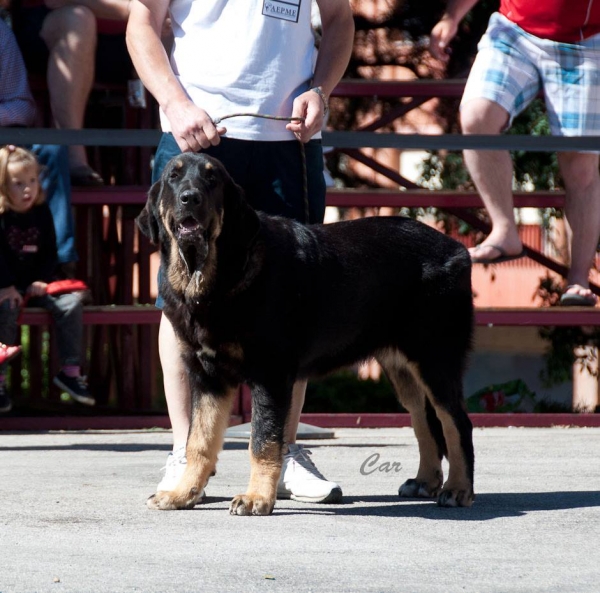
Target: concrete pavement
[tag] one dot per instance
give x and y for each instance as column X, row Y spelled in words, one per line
column 73, row 519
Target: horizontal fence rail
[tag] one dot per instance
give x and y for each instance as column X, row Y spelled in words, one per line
column 343, row 198
column 120, row 137
column 487, row 316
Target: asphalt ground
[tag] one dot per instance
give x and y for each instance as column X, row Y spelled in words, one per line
column 73, row 519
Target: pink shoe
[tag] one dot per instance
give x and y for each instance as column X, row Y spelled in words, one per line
column 7, row 353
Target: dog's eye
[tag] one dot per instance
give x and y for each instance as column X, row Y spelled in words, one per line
column 174, row 174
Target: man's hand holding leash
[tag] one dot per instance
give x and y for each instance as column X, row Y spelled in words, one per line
column 311, row 106
column 192, row 127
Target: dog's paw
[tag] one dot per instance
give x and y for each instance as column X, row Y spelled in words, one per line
column 418, row 489
column 456, row 498
column 244, row 504
column 166, row 501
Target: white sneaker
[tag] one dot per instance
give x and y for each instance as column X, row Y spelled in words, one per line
column 176, row 464
column 300, row 480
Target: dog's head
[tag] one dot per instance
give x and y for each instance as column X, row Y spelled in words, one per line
column 192, row 208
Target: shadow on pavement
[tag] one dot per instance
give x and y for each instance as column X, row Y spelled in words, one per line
column 486, row 507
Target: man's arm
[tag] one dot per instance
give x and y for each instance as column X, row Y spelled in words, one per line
column 336, row 44
column 191, row 126
column 445, row 30
column 334, row 54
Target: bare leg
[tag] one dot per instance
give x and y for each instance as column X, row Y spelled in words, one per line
column 298, row 394
column 177, row 388
column 492, row 173
column 70, row 34
column 582, row 210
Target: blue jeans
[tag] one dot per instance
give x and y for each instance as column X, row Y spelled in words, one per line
column 56, row 183
column 270, row 173
column 67, row 312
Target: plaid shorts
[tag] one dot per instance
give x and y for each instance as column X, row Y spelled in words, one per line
column 512, row 66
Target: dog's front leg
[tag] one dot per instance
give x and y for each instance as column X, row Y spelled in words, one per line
column 210, row 418
column 269, row 418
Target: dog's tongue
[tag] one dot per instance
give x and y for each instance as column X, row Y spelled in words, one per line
column 189, row 224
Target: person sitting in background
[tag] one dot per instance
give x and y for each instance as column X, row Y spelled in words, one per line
column 17, row 109
column 531, row 46
column 28, row 263
column 75, row 43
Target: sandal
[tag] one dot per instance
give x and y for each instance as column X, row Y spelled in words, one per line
column 85, row 176
column 501, row 257
column 573, row 299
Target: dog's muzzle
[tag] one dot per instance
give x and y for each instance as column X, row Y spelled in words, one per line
column 192, row 241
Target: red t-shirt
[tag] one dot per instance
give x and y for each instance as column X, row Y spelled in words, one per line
column 558, row 20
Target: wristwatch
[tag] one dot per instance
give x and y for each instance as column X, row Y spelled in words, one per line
column 321, row 94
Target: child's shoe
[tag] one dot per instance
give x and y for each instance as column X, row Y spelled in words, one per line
column 7, row 353
column 76, row 387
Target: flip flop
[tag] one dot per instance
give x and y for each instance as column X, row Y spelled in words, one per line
column 503, row 257
column 572, row 299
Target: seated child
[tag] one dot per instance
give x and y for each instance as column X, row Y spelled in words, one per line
column 28, row 263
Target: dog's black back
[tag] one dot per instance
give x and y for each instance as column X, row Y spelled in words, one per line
column 409, row 285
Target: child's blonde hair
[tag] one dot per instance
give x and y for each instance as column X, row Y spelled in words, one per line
column 15, row 155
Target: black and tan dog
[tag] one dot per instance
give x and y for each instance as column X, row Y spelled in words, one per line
column 266, row 301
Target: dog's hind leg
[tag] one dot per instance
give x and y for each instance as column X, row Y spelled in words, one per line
column 269, row 416
column 410, row 391
column 432, row 393
column 210, row 418
column 443, row 379
column 446, row 396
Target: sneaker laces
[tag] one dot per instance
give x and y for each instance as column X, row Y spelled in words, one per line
column 302, row 458
column 82, row 381
column 174, row 458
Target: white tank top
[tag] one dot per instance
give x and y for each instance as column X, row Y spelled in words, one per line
column 252, row 56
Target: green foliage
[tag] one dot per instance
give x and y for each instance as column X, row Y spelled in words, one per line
column 565, row 343
column 532, row 170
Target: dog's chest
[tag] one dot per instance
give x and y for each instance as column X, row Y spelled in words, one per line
column 216, row 354
column 204, row 344
column 205, row 352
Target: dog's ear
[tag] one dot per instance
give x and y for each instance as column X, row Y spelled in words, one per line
column 147, row 221
column 241, row 223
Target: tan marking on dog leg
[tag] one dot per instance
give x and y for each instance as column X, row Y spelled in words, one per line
column 209, row 421
column 410, row 391
column 260, row 497
column 458, row 489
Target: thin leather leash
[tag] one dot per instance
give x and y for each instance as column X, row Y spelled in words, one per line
column 218, row 120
